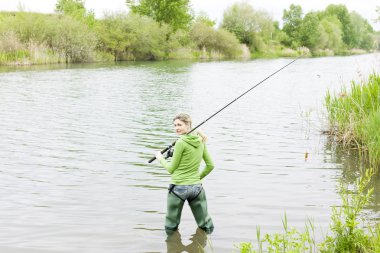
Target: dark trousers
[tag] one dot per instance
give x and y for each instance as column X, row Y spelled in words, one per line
column 198, row 207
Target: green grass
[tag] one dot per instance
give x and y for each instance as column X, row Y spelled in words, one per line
column 13, row 56
column 354, row 117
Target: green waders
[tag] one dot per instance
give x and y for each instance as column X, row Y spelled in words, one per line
column 198, row 206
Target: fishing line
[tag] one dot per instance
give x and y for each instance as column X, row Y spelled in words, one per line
column 224, row 107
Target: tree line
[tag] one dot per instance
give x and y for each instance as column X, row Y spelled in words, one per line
column 168, row 29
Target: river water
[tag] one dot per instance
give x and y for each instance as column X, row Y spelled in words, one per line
column 75, row 141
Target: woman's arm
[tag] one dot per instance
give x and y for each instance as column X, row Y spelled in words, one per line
column 209, row 164
column 173, row 165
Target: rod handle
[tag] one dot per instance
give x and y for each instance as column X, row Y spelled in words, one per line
column 162, row 152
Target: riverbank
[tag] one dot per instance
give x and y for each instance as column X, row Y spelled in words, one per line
column 34, row 38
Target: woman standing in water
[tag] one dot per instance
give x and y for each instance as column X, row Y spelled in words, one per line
column 186, row 184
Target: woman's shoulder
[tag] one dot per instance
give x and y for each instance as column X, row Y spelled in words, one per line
column 180, row 141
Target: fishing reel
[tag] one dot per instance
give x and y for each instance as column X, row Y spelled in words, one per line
column 170, row 152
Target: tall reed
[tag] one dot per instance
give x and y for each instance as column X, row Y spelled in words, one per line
column 354, row 116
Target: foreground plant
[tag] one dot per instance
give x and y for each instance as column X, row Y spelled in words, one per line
column 290, row 241
column 349, row 233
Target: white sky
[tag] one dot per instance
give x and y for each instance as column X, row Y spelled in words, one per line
column 214, row 8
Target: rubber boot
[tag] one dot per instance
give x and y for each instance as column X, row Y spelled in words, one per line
column 173, row 215
column 199, row 208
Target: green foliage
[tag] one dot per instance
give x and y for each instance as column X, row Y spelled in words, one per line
column 239, row 20
column 48, row 36
column 71, row 39
column 330, row 35
column 354, row 117
column 175, row 13
column 76, row 9
column 208, row 39
column 130, row 37
column 227, row 44
column 361, row 33
column 253, row 28
column 371, row 135
column 340, row 11
column 292, row 19
column 290, row 241
column 27, row 26
column 334, row 29
column 148, row 38
column 203, row 18
column 310, row 31
column 347, row 236
column 71, row 7
column 114, row 35
column 164, row 29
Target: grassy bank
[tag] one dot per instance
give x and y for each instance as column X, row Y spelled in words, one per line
column 73, row 34
column 34, row 38
column 349, row 232
column 354, row 116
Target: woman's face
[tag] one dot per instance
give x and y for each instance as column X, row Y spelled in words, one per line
column 180, row 127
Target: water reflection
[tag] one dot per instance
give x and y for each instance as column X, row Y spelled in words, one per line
column 354, row 164
column 198, row 243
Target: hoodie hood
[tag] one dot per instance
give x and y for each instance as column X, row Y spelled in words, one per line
column 193, row 140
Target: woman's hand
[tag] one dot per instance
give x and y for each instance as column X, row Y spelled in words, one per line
column 202, row 135
column 159, row 155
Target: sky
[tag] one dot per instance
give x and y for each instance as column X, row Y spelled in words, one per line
column 213, row 8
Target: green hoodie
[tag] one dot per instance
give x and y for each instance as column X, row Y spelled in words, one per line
column 189, row 151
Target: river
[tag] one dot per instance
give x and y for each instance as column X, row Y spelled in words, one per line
column 75, row 141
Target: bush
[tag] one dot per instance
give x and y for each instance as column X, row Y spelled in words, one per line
column 47, row 38
column 72, row 40
column 217, row 43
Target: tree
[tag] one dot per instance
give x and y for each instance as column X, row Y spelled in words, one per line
column 202, row 34
column 292, row 20
column 77, row 10
column 114, row 34
column 331, row 34
column 361, row 32
column 175, row 13
column 72, row 39
column 249, row 26
column 207, row 38
column 203, row 18
column 71, row 7
column 340, row 11
column 309, row 30
column 149, row 41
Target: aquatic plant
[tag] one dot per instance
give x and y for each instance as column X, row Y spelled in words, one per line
column 349, row 230
column 354, row 117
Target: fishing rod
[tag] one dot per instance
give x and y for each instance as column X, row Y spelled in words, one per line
column 172, row 145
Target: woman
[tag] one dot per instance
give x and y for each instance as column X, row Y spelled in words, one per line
column 189, row 151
